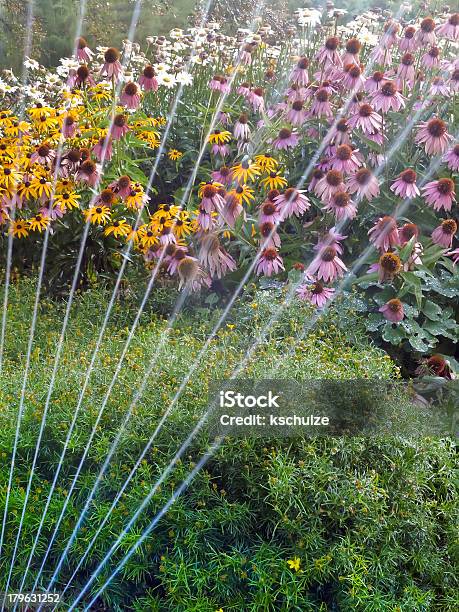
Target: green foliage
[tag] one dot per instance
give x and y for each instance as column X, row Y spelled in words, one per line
column 371, row 521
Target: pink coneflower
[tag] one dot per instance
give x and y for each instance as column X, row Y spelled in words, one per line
column 83, row 52
column 88, row 173
column 295, row 92
column 292, row 202
column 329, row 184
column 214, row 257
column 112, row 67
column 454, row 255
column 393, row 310
column 245, row 55
column 451, row 157
column 120, row 127
column 269, row 263
column 345, row 159
column 321, row 105
column 244, row 90
column 381, row 55
column 353, row 78
column 53, row 213
column 43, row 155
column 366, row 119
column 450, row 29
column 241, row 127
column 351, row 55
column 364, row 184
column 103, row 149
column 231, row 210
column 340, row 133
column 299, row 74
column 220, row 83
column 211, row 201
column 269, row 210
column 341, row 205
column 285, row 139
column 315, row 293
column 297, row 114
column 70, row 161
column 438, row 87
column 255, row 98
column 130, row 96
column 440, row 194
column 431, row 59
column 69, row 127
column 375, row 82
column 388, row 98
column 147, row 80
column 82, row 77
column 122, row 186
column 408, row 41
column 223, row 175
column 328, row 54
column 269, row 237
column 205, row 220
column 389, row 38
column 443, row 235
column 384, row 234
column 426, row 33
column 327, row 265
column 408, row 231
column 173, row 256
column 454, row 80
column 221, row 150
column 191, row 274
column 317, row 174
column 406, row 70
column 434, row 135
column 405, row 185
column 331, row 238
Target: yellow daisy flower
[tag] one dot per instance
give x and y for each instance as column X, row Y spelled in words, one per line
column 247, row 170
column 39, row 223
column 118, row 228
column 19, row 228
column 26, row 190
column 266, row 163
column 184, row 225
column 67, row 199
column 174, row 155
column 42, row 186
column 9, row 176
column 136, row 198
column 136, row 235
column 243, row 193
column 294, row 563
column 219, row 137
column 97, row 215
column 274, row 181
column 149, row 238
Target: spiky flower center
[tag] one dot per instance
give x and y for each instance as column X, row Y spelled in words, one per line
column 428, row 25
column 341, row 199
column 445, row 186
column 408, row 176
column 395, row 305
column 334, row 178
column 344, row 152
column 328, row 254
column 388, row 89
column 353, row 46
column 148, row 72
column 284, row 133
column 88, row 167
column 390, row 262
column 209, row 191
column 322, row 95
column 130, row 89
column 332, row 43
column 363, row 176
column 112, row 55
column 120, row 121
column 449, row 227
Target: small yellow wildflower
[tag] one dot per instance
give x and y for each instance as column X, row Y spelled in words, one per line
column 174, row 154
column 294, row 564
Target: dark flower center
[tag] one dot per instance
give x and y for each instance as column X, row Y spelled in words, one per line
column 332, row 43
column 270, row 254
column 353, row 46
column 120, row 121
column 328, row 254
column 297, row 105
column 303, row 63
column 388, row 89
column 428, row 25
column 284, row 133
column 334, row 178
column 445, row 186
column 107, row 196
column 409, row 230
column 149, row 72
column 209, row 191
column 344, row 152
column 268, row 208
column 81, row 43
column 88, row 167
column 395, row 305
column 365, row 110
column 390, row 262
column 322, row 95
column 408, row 59
column 112, row 55
column 341, row 199
column 130, row 89
column 291, row 194
column 82, row 72
column 43, row 150
column 408, row 176
column 363, row 176
column 449, row 226
column 434, row 52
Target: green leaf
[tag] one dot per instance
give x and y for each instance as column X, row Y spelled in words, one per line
column 432, row 310
column 393, row 333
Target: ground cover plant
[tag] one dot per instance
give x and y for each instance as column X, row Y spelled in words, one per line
column 268, row 524
column 276, row 201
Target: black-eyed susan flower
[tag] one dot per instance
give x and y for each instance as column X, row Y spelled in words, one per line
column 184, row 225
column 242, row 193
column 274, row 180
column 149, row 238
column 39, row 223
column 19, row 228
column 97, row 215
column 219, row 137
column 119, row 228
column 174, row 154
column 67, row 199
column 26, row 189
column 9, row 176
column 136, row 197
column 247, row 170
column 43, row 186
column 266, row 163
